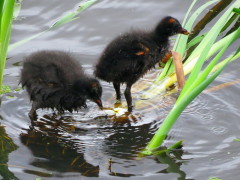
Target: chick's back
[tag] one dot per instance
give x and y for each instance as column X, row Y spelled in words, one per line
column 52, row 67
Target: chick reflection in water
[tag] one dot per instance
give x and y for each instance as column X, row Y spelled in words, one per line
column 54, row 150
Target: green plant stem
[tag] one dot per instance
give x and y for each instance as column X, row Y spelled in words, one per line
column 173, row 115
column 1, row 12
column 230, row 59
column 213, row 12
column 168, row 81
column 210, row 67
column 198, row 80
column 69, row 17
column 205, row 46
column 169, row 63
column 181, row 42
column 237, row 10
column 17, row 8
column 196, row 40
column 6, row 28
column 234, row 27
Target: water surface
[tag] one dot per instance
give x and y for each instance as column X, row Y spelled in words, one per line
column 80, row 145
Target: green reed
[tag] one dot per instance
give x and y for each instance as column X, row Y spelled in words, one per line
column 6, row 18
column 9, row 10
column 68, row 17
column 200, row 77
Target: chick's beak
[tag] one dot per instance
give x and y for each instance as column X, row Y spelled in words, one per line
column 183, row 31
column 99, row 103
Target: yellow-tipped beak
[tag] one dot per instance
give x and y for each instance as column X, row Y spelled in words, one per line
column 183, row 31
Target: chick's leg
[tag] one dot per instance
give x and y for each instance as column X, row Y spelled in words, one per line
column 118, row 92
column 128, row 97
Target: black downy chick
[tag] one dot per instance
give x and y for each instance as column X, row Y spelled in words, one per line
column 131, row 55
column 54, row 79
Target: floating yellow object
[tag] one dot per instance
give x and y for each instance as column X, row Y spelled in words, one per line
column 115, row 112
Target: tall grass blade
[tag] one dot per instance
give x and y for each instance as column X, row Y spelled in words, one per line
column 211, row 65
column 182, row 39
column 168, row 81
column 1, row 13
column 180, row 46
column 5, row 32
column 17, row 8
column 195, row 41
column 199, row 80
column 168, row 64
column 236, row 10
column 209, row 16
column 19, row 43
column 230, row 59
column 70, row 16
column 205, row 46
column 173, row 115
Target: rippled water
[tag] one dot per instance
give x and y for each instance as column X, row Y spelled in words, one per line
column 80, row 145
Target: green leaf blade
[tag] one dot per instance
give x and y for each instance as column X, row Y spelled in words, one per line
column 5, row 32
column 181, row 42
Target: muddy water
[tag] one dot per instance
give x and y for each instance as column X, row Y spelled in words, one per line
column 80, row 145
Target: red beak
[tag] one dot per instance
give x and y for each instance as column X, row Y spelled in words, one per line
column 99, row 103
column 183, row 31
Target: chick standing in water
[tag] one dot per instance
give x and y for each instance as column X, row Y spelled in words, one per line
column 131, row 55
column 54, row 79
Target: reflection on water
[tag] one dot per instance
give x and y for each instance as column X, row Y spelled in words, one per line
column 90, row 143
column 56, row 145
column 55, row 153
column 174, row 162
column 6, row 147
